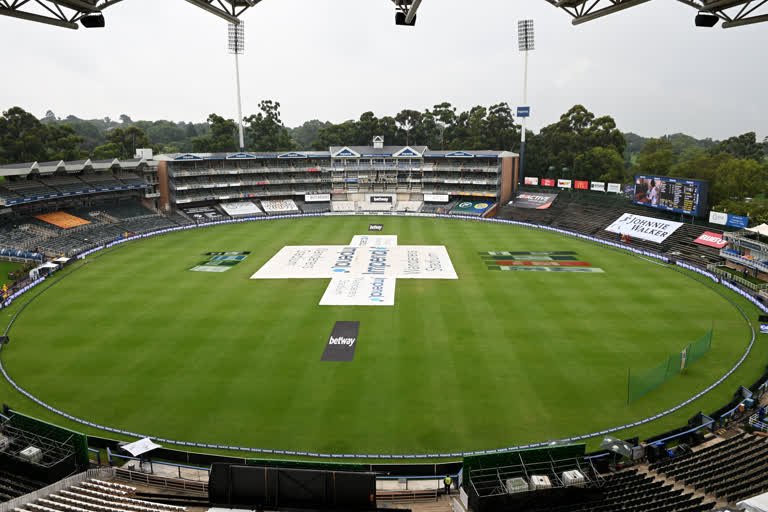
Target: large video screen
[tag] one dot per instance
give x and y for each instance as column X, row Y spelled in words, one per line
column 672, row 194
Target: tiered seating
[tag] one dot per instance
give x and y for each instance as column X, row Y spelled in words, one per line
column 129, row 178
column 636, row 492
column 13, row 486
column 733, row 470
column 408, row 206
column 343, row 206
column 65, row 184
column 29, row 188
column 126, row 210
column 366, row 206
column 96, row 496
column 315, row 207
column 104, row 180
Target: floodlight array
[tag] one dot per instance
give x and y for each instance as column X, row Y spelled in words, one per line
column 525, row 35
column 237, row 38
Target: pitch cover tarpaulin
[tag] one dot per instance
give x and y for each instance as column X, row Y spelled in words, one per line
column 644, row 228
column 533, row 200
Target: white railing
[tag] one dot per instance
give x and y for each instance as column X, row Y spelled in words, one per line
column 100, row 473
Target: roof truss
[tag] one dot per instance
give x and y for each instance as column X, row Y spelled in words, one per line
column 734, row 13
column 66, row 13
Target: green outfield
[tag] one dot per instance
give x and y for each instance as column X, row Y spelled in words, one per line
column 135, row 340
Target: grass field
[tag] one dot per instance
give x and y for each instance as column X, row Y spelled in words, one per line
column 137, row 341
column 5, row 268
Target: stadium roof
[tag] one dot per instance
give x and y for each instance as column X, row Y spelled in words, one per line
column 66, row 13
column 733, row 13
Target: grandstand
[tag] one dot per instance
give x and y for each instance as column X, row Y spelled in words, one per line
column 344, row 174
column 591, row 212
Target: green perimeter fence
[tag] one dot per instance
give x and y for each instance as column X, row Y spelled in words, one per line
column 641, row 383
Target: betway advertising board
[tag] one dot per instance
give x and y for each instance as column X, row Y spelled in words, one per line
column 363, row 273
column 644, row 228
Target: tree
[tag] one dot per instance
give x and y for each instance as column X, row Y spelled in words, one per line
column 63, row 143
column 50, row 117
column 558, row 145
column 125, row 119
column 306, row 135
column 22, row 137
column 601, row 164
column 656, row 158
column 741, row 146
column 128, row 140
column 107, row 151
column 221, row 138
column 266, row 131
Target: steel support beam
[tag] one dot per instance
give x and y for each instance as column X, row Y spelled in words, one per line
column 607, row 10
column 213, row 10
column 15, row 13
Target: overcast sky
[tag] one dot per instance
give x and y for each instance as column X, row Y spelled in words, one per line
column 648, row 67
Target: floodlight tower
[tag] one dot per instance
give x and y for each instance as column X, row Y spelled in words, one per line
column 525, row 45
column 237, row 48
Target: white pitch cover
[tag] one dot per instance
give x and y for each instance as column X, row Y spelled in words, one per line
column 350, row 290
column 374, row 241
column 645, row 228
column 361, row 275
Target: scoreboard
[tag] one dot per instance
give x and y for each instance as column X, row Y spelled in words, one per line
column 672, row 194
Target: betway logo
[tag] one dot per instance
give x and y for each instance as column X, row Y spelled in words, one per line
column 344, row 260
column 341, row 341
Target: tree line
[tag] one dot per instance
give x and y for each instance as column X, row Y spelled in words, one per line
column 579, row 145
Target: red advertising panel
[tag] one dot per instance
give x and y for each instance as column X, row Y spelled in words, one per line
column 711, row 239
column 547, row 183
column 582, row 185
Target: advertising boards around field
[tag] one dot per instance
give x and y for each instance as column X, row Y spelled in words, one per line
column 375, row 227
column 530, row 200
column 726, row 219
column 317, row 198
column 531, row 181
column 342, row 342
column 614, row 188
column 546, row 182
column 436, row 198
column 581, row 185
column 711, row 239
column 597, row 186
column 203, row 214
column 576, row 270
column 644, row 228
column 240, row 208
column 473, row 206
column 564, row 183
column 373, row 240
column 349, row 290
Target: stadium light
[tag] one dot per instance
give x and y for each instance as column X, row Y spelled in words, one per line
column 237, row 48
column 706, row 19
column 525, row 43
